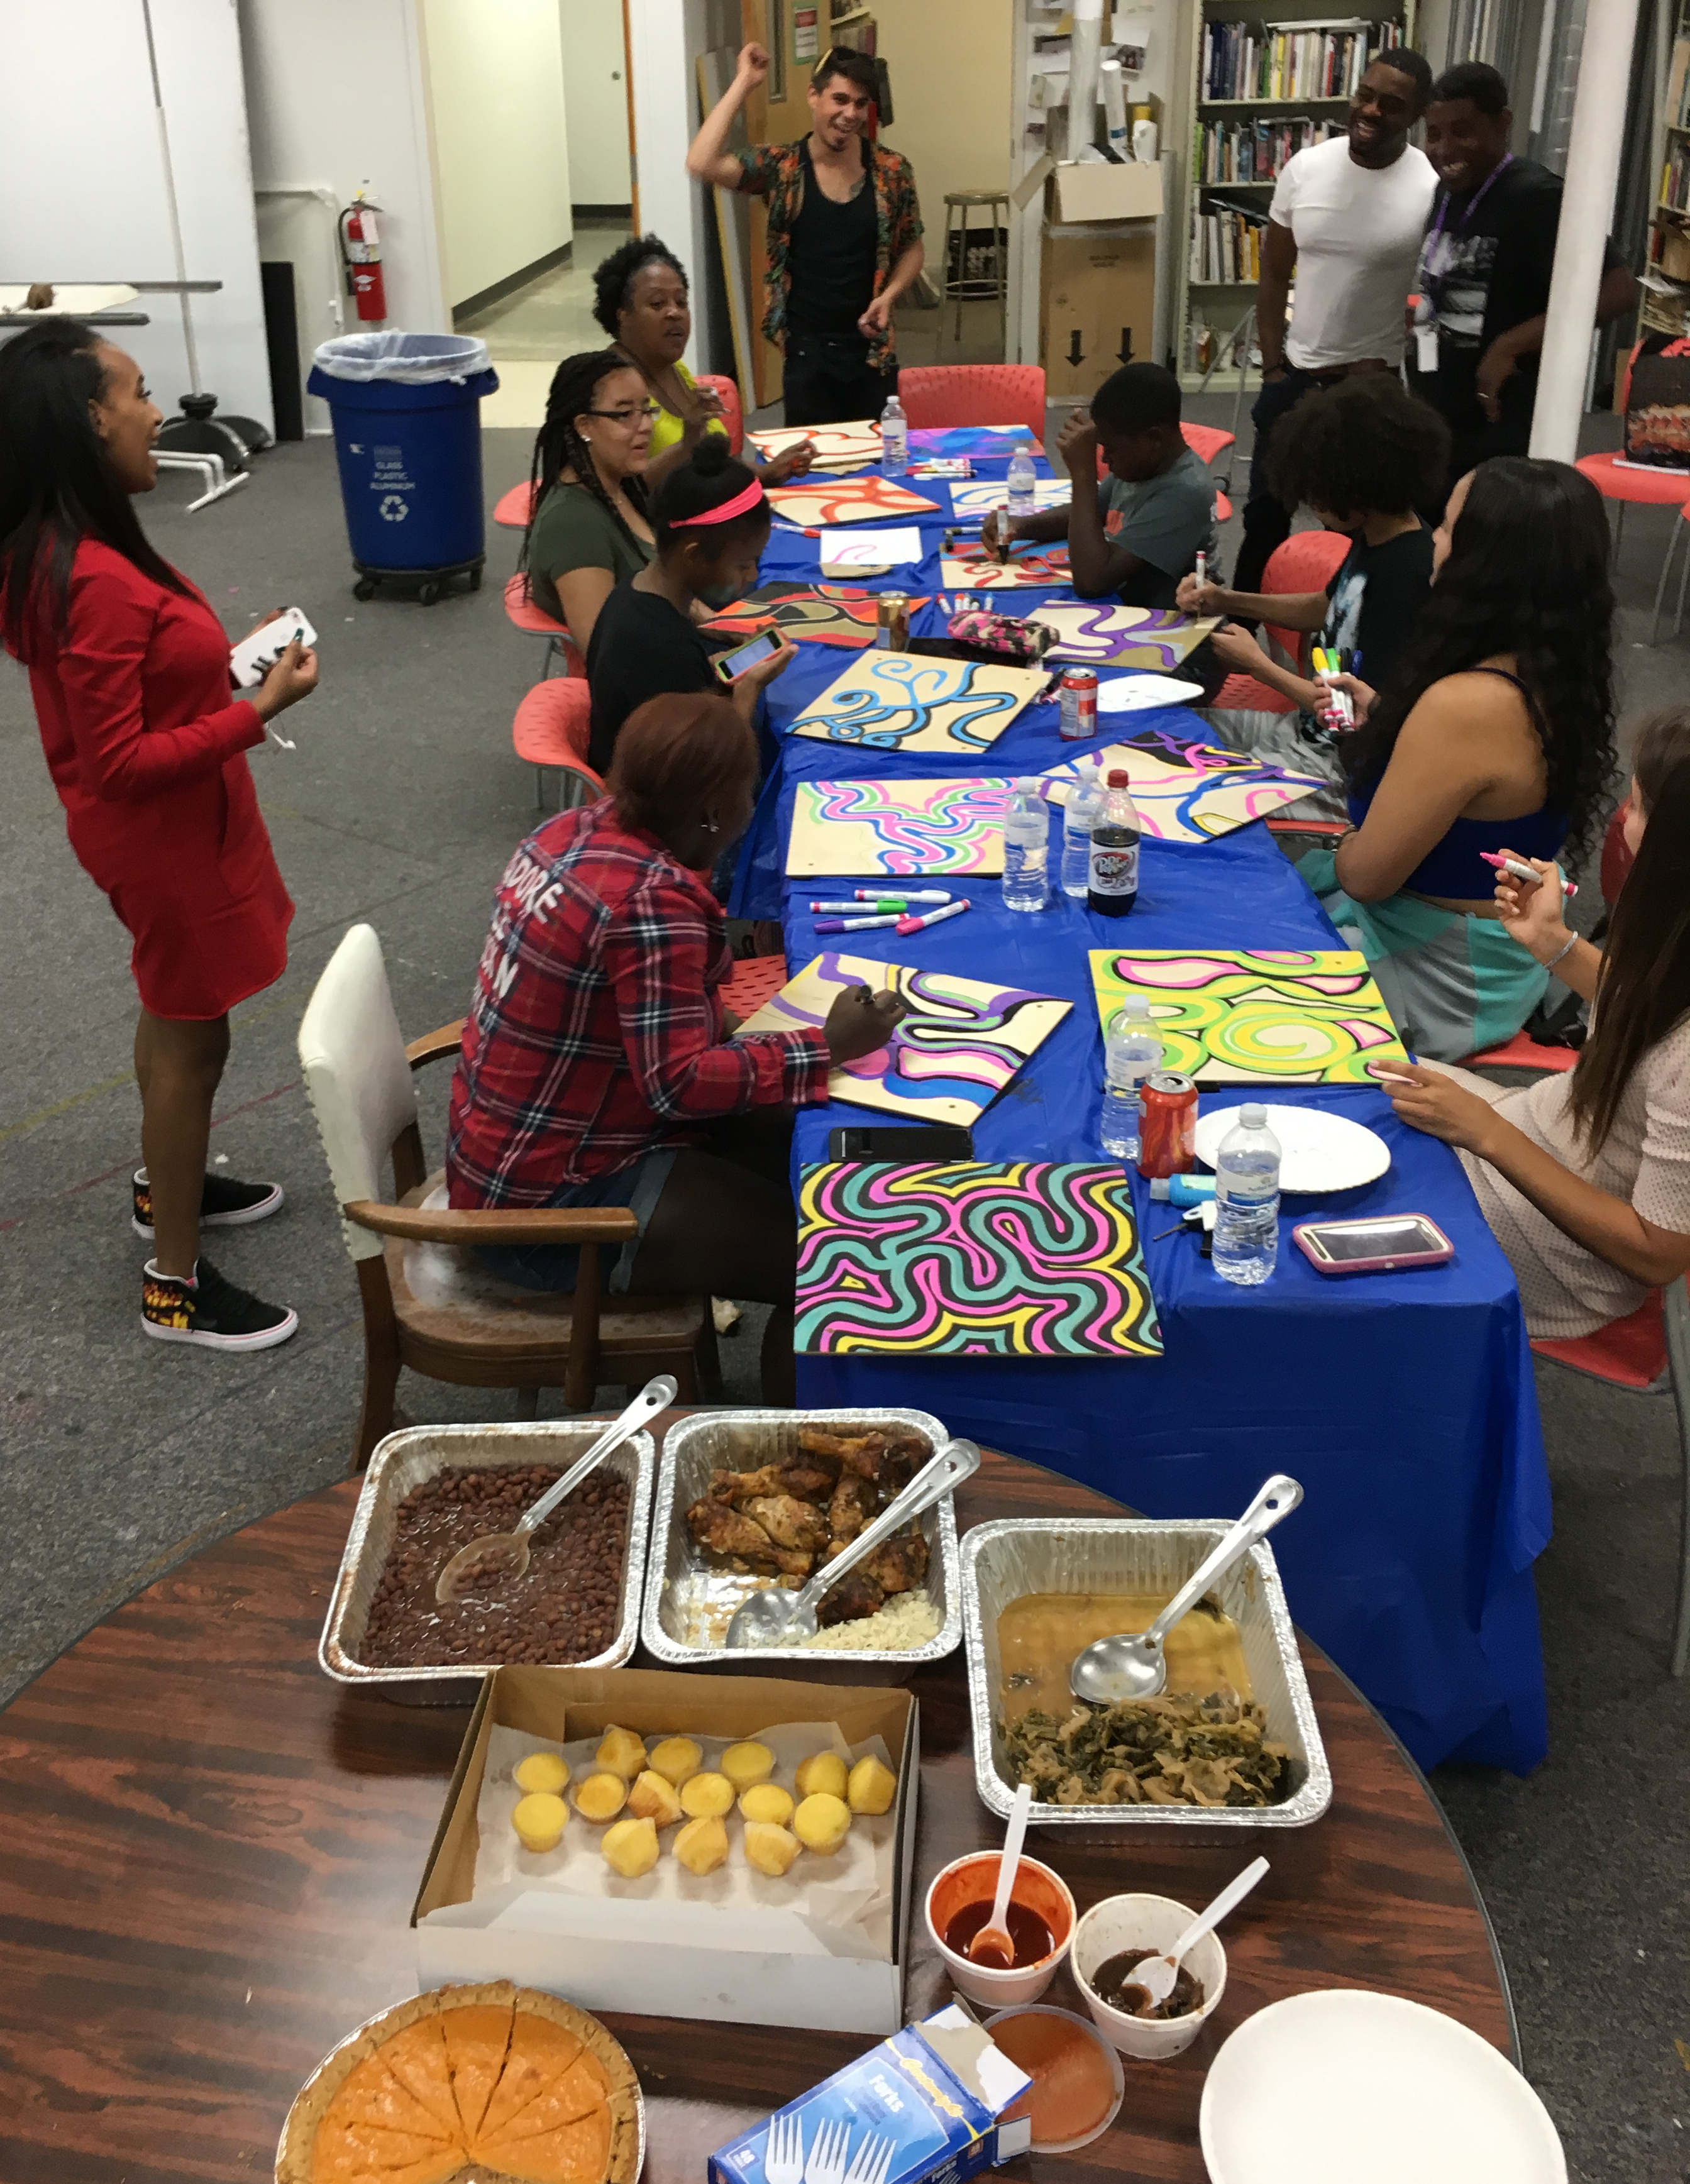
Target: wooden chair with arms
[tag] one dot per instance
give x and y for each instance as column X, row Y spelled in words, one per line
column 428, row 1302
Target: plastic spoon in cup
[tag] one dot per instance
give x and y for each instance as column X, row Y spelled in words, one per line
column 497, row 1558
column 994, row 1940
column 1133, row 1665
column 1157, row 1974
column 780, row 1618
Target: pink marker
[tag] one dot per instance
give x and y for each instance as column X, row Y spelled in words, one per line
column 933, row 917
column 1521, row 871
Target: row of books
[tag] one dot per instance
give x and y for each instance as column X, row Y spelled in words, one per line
column 1255, row 151
column 1226, row 244
column 1244, row 61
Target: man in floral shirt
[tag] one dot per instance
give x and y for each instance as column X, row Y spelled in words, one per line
column 844, row 236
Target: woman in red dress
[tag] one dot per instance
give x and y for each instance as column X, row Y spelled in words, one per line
column 129, row 669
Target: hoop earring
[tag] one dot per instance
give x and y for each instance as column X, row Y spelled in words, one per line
column 709, row 825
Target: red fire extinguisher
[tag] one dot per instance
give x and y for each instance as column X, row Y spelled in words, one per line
column 360, row 253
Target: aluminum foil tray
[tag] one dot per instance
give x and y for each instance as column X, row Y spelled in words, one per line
column 688, row 1605
column 1003, row 1561
column 406, row 1460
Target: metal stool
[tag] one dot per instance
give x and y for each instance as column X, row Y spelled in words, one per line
column 979, row 287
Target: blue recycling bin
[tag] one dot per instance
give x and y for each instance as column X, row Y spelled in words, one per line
column 406, row 412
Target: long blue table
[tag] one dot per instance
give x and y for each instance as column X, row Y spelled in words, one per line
column 1404, row 1403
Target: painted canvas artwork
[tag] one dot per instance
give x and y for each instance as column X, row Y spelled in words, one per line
column 908, row 701
column 1017, row 1259
column 948, row 1058
column 847, row 829
column 987, row 441
column 816, row 614
column 1308, row 1016
column 850, row 447
column 1191, row 792
column 1102, row 633
column 973, row 504
column 978, row 572
column 848, row 500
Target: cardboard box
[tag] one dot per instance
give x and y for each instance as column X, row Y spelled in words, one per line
column 933, row 2090
column 1097, row 304
column 1099, row 189
column 601, row 1969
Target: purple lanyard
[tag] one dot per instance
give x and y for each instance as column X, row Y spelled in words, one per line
column 1473, row 205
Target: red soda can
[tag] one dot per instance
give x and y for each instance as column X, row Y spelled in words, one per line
column 1168, row 1134
column 1077, row 694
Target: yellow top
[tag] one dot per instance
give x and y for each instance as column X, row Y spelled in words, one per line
column 669, row 428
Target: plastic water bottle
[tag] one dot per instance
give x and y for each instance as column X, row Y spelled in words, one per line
column 1026, row 848
column 894, row 439
column 1113, row 886
column 1084, row 809
column 1023, row 478
column 1131, row 1051
column 1246, row 1227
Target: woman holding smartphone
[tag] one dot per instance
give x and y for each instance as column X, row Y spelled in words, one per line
column 129, row 670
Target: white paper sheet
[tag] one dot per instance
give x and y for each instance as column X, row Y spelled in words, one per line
column 1142, row 693
column 857, row 548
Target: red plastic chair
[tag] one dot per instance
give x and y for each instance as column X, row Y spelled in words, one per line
column 937, row 395
column 733, row 412
column 535, row 621
column 513, row 507
column 1616, row 858
column 1631, row 488
column 1207, row 441
column 1521, row 1052
column 1307, row 561
column 550, row 731
column 756, row 979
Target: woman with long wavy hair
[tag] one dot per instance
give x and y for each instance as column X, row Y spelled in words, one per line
column 1499, row 727
column 1584, row 1177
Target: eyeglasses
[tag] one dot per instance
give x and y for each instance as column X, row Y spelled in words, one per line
column 649, row 410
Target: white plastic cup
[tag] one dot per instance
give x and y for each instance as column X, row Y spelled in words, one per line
column 1147, row 1923
column 968, row 1881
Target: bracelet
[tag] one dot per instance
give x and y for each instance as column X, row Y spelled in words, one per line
column 1566, row 949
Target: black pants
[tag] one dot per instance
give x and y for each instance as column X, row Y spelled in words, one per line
column 832, row 382
column 1266, row 521
column 1472, row 438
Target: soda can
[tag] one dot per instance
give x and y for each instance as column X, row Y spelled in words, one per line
column 1076, row 693
column 893, row 632
column 1168, row 1136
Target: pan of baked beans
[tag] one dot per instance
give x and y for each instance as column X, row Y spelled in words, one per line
column 430, row 1490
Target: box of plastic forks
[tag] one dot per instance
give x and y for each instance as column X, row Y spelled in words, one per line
column 925, row 2102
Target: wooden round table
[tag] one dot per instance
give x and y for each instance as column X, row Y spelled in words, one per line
column 211, row 1851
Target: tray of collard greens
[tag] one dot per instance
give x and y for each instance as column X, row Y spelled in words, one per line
column 1182, row 1761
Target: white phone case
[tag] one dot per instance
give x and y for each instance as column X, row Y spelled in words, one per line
column 253, row 658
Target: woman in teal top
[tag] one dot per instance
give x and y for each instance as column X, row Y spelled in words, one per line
column 588, row 531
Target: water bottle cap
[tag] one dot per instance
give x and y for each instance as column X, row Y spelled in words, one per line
column 1136, row 1005
column 1252, row 1116
column 1158, row 1186
column 1028, row 782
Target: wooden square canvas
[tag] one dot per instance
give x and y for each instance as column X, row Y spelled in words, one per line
column 1103, row 633
column 974, row 502
column 972, row 1259
column 850, row 447
column 1284, row 1017
column 978, row 572
column 815, row 614
column 1191, row 792
column 909, row 701
column 902, row 829
column 871, row 500
column 948, row 1058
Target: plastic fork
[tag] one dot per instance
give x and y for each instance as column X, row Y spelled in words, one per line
column 873, row 2161
column 783, row 2158
column 827, row 2162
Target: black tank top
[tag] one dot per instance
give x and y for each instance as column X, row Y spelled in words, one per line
column 831, row 259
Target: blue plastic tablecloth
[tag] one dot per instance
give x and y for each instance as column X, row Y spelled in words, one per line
column 1404, row 1403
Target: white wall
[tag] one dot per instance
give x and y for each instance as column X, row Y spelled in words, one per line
column 951, row 100
column 665, row 37
column 501, row 145
column 81, row 177
column 596, row 94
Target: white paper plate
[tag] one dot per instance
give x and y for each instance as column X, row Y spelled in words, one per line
column 1332, row 2087
column 1321, row 1152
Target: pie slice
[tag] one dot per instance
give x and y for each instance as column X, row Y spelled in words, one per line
column 359, row 2153
column 540, row 2052
column 581, row 2090
column 477, row 2040
column 573, row 2153
column 373, row 2095
column 417, row 2056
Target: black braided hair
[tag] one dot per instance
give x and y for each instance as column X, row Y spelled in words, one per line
column 709, row 476
column 559, row 447
column 613, row 277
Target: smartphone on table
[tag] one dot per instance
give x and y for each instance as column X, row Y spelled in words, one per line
column 731, row 665
column 1383, row 1244
column 914, row 1141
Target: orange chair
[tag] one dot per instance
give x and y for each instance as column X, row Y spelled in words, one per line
column 733, row 414
column 535, row 621
column 1307, row 561
column 513, row 507
column 1616, row 858
column 1205, row 441
column 1524, row 1052
column 551, row 730
column 1630, row 488
column 938, row 395
column 756, row 979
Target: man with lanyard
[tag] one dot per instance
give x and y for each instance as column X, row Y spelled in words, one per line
column 1484, row 272
column 844, row 236
column 1347, row 218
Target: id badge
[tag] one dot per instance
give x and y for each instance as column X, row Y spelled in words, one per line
column 1425, row 347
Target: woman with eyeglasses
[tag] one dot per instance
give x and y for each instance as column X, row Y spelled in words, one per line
column 588, row 527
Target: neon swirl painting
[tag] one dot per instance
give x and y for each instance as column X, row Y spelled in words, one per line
column 948, row 1058
column 816, row 614
column 848, row 500
column 902, row 828
column 1191, row 792
column 1024, row 1259
column 906, row 701
column 974, row 502
column 838, row 447
column 991, row 442
column 1305, row 1016
column 1100, row 633
column 978, row 572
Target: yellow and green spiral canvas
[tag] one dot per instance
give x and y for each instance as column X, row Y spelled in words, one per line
column 969, row 1259
column 1282, row 1016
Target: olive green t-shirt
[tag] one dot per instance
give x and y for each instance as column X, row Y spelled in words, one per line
column 574, row 530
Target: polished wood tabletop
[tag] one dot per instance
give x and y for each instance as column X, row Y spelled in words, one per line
column 210, row 1852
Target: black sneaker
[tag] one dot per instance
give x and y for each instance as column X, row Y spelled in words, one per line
column 223, row 1204
column 210, row 1311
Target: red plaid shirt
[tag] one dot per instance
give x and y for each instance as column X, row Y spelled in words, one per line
column 595, row 1035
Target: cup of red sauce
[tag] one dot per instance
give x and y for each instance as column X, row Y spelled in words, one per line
column 1042, row 1923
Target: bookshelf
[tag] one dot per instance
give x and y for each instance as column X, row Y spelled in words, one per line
column 1666, row 307
column 1264, row 83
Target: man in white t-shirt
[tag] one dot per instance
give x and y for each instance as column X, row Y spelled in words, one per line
column 1347, row 217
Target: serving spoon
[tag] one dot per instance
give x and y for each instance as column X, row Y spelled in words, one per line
column 779, row 1618
column 995, row 1939
column 497, row 1558
column 1133, row 1664
column 1157, row 1974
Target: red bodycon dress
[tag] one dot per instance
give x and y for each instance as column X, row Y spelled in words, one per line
column 149, row 756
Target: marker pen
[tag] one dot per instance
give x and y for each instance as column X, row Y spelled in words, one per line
column 905, row 894
column 1202, row 570
column 933, row 917
column 858, row 924
column 1522, row 872
column 860, row 906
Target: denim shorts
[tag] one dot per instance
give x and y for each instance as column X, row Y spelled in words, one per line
column 555, row 1266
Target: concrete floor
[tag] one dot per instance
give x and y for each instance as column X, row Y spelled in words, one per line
column 119, row 1458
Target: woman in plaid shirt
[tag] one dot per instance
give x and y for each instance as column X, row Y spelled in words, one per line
column 599, row 1066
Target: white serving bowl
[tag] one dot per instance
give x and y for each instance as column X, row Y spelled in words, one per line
column 1145, row 1923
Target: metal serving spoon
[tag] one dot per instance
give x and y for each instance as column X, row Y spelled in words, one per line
column 1157, row 1974
column 1133, row 1665
column 497, row 1557
column 779, row 1618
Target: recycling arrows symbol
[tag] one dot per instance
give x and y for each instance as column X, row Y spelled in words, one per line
column 393, row 509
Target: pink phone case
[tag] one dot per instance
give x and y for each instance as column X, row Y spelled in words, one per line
column 1385, row 1263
